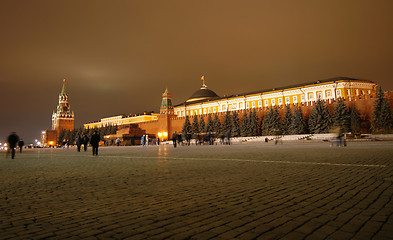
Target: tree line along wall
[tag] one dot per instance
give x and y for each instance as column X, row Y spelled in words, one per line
column 364, row 105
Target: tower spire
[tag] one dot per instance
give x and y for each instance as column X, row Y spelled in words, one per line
column 166, row 103
column 63, row 91
column 203, row 82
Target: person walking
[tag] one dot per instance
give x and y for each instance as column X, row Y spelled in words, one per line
column 118, row 141
column 21, row 143
column 78, row 141
column 174, row 139
column 94, row 141
column 12, row 141
column 85, row 142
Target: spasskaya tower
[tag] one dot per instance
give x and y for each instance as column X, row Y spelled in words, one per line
column 63, row 118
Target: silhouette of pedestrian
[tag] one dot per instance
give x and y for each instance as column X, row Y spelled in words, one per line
column 12, row 141
column 21, row 143
column 94, row 141
column 174, row 139
column 143, row 140
column 78, row 141
column 85, row 142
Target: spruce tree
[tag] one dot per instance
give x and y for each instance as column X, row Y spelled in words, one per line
column 341, row 116
column 60, row 138
column 216, row 124
column 355, row 121
column 210, row 124
column 298, row 124
column 186, row 126
column 286, row 122
column 226, row 125
column 254, row 123
column 235, row 125
column 67, row 135
column 319, row 120
column 302, row 128
column 382, row 115
column 271, row 124
column 244, row 125
column 195, row 125
column 202, row 125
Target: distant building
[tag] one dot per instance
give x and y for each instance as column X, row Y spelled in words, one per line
column 62, row 119
column 130, row 129
column 205, row 101
column 121, row 120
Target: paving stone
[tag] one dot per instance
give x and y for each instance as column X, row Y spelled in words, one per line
column 242, row 191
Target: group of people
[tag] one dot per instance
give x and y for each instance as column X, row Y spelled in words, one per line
column 94, row 141
column 14, row 141
column 209, row 138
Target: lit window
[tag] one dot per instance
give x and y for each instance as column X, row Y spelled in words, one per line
column 295, row 99
column 214, row 110
column 253, row 104
column 280, row 101
column 266, row 103
column 204, row 111
column 247, row 105
column 357, row 92
column 319, row 95
column 260, row 104
column 200, row 111
column 241, row 105
column 273, row 102
column 235, row 106
column 338, row 92
column 287, row 101
column 311, row 96
column 363, row 92
column 369, row 91
column 349, row 92
column 303, row 98
column 328, row 94
column 196, row 112
column 224, row 107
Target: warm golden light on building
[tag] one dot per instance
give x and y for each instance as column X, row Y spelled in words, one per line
column 163, row 135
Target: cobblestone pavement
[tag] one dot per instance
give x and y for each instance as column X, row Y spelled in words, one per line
column 242, row 191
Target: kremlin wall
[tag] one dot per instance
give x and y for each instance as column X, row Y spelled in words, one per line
column 204, row 102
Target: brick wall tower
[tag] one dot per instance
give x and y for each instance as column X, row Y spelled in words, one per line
column 166, row 112
column 63, row 118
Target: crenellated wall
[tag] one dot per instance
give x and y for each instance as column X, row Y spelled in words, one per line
column 364, row 104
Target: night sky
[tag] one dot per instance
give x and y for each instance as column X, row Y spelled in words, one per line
column 119, row 56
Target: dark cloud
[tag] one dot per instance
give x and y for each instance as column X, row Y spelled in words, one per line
column 119, row 56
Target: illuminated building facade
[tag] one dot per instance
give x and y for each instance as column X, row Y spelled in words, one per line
column 205, row 101
column 121, row 120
